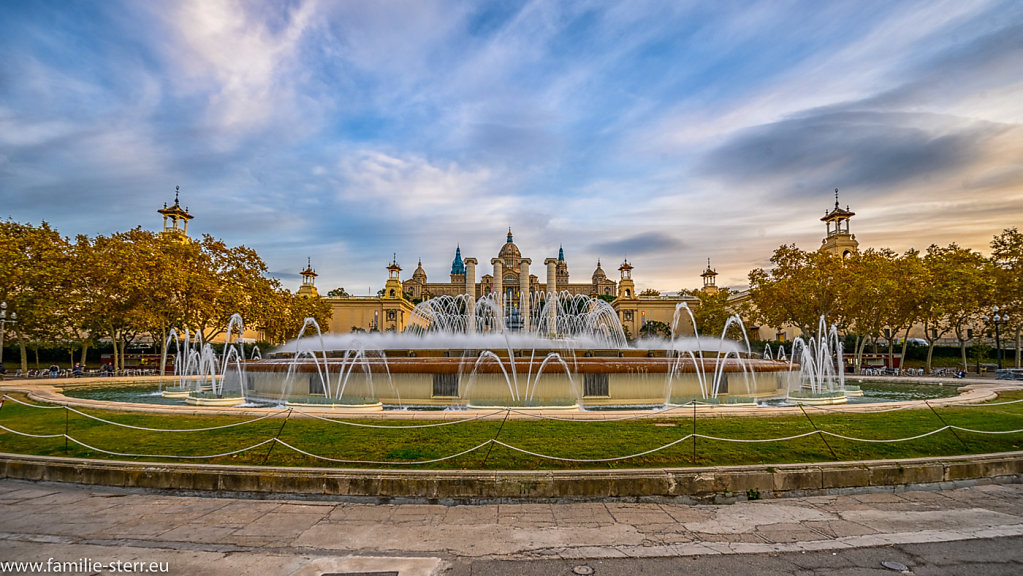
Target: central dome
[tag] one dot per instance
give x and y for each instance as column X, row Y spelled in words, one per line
column 510, row 252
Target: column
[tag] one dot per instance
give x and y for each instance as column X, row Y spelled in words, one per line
column 552, row 295
column 470, row 292
column 499, row 288
column 524, row 310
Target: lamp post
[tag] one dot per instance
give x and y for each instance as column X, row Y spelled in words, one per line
column 4, row 320
column 997, row 320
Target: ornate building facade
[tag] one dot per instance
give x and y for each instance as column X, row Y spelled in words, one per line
column 513, row 284
column 509, row 279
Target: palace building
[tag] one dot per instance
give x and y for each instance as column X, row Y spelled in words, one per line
column 511, row 282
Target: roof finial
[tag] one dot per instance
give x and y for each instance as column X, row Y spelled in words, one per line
column 708, row 263
column 176, row 189
column 308, row 262
column 836, row 198
column 394, row 259
column 509, row 234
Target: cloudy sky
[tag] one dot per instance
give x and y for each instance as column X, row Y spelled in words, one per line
column 665, row 132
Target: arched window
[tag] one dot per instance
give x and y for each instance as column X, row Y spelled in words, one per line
column 392, row 292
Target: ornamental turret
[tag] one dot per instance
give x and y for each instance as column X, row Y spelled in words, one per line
column 709, row 279
column 839, row 240
column 175, row 219
column 308, row 287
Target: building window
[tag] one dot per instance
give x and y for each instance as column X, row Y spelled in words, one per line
column 595, row 385
column 445, row 385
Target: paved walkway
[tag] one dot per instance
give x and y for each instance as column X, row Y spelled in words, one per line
column 209, row 535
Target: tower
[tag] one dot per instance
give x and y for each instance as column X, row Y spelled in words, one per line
column 175, row 219
column 458, row 267
column 626, row 287
column 561, row 269
column 392, row 289
column 709, row 279
column 839, row 240
column 308, row 288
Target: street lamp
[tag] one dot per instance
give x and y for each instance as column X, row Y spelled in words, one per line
column 4, row 320
column 997, row 320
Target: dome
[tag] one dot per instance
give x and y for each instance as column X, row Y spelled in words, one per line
column 419, row 275
column 510, row 252
column 598, row 274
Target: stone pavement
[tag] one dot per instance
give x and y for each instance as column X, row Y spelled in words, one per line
column 220, row 535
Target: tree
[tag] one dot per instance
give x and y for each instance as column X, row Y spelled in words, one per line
column 338, row 292
column 1007, row 254
column 289, row 313
column 34, row 281
column 970, row 291
column 712, row 312
column 800, row 289
column 650, row 292
column 654, row 328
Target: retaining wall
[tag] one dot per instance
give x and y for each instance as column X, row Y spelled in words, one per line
column 711, row 484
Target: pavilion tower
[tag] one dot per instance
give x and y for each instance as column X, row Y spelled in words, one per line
column 308, row 288
column 175, row 219
column 709, row 279
column 839, row 240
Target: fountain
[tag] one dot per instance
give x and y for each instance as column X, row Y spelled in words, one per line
column 567, row 352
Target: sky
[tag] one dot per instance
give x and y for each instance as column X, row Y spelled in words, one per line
column 663, row 132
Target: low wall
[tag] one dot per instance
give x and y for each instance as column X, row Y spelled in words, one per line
column 711, row 484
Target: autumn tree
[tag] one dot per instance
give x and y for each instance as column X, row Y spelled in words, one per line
column 801, row 288
column 1007, row 254
column 289, row 314
column 712, row 311
column 34, row 277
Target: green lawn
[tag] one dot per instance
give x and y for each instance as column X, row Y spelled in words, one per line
column 578, row 439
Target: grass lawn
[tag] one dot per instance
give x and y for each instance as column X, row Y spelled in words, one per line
column 573, row 439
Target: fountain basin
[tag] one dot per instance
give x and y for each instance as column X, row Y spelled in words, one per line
column 521, row 379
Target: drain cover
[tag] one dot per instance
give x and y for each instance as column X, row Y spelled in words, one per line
column 893, row 565
column 582, row 570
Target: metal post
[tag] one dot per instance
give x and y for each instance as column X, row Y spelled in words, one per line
column 998, row 342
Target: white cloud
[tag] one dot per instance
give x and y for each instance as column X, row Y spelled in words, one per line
column 227, row 49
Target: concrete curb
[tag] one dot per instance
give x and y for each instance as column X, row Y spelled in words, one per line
column 713, row 484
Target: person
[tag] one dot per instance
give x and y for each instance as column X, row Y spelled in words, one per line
column 77, row 370
column 108, row 369
column 54, row 369
column 3, row 371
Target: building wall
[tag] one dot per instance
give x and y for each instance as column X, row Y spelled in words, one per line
column 369, row 313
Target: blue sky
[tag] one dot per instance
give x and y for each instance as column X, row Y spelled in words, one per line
column 666, row 132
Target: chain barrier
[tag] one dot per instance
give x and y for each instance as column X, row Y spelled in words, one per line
column 490, row 442
column 399, row 426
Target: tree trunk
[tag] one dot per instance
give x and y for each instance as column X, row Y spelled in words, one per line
column 24, row 356
column 905, row 344
column 856, row 354
column 1019, row 337
column 930, row 355
column 859, row 353
column 85, row 348
column 113, row 341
